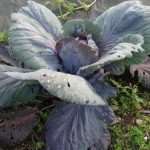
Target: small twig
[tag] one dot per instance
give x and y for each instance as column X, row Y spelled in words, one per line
column 145, row 111
column 80, row 2
column 47, row 107
column 92, row 3
column 61, row 14
column 77, row 8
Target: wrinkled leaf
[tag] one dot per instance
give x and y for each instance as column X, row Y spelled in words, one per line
column 77, row 127
column 13, row 91
column 130, row 17
column 75, row 54
column 71, row 88
column 143, row 71
column 117, row 53
column 132, row 38
column 47, row 19
column 18, row 127
column 32, row 36
column 118, row 68
column 119, row 19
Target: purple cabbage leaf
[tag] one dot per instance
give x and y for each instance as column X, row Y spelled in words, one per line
column 143, row 71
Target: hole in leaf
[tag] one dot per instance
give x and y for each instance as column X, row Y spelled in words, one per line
column 68, row 84
column 11, row 137
column 32, row 90
column 136, row 73
column 23, row 65
column 87, row 101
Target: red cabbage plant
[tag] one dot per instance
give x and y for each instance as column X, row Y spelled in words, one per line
column 70, row 61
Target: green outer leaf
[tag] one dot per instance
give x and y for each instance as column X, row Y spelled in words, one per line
column 119, row 52
column 32, row 36
column 67, row 87
column 132, row 38
column 87, row 27
column 46, row 18
column 14, row 91
column 118, row 68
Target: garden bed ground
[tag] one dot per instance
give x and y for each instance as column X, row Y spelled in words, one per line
column 131, row 131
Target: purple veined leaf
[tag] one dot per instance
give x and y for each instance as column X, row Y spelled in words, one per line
column 119, row 18
column 71, row 88
column 143, row 71
column 130, row 17
column 14, row 91
column 103, row 143
column 18, row 127
column 103, row 89
column 78, row 127
column 32, row 36
column 75, row 54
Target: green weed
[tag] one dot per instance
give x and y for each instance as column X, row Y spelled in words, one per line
column 67, row 8
column 4, row 36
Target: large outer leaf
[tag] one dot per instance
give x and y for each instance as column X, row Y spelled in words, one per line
column 77, row 127
column 67, row 87
column 129, row 17
column 32, row 36
column 75, row 54
column 13, row 91
column 120, row 19
column 143, row 71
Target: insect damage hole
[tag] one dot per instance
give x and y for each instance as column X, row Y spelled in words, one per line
column 68, row 84
column 44, row 75
column 87, row 101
